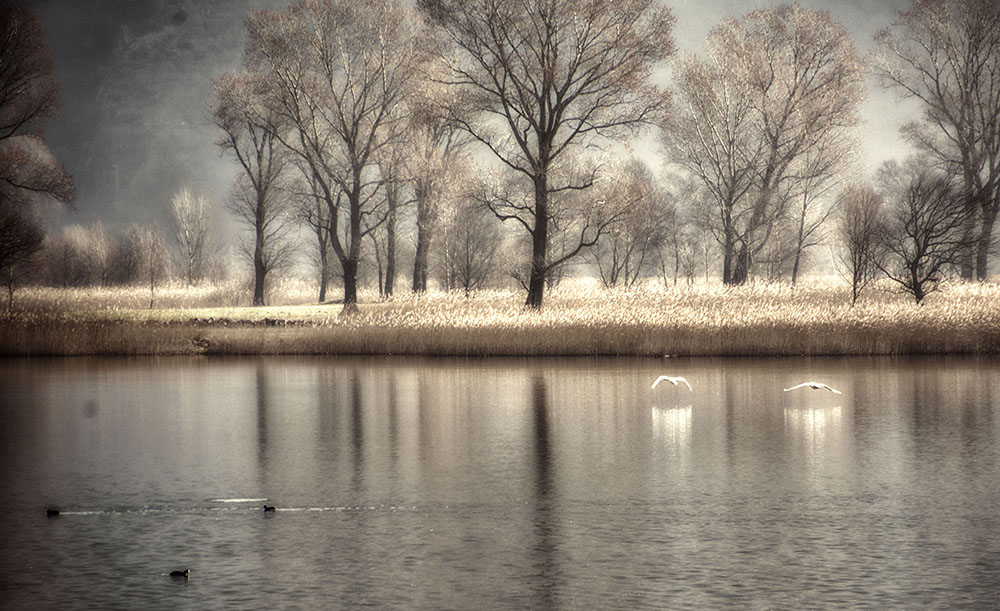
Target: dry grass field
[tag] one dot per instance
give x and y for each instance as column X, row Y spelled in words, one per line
column 579, row 318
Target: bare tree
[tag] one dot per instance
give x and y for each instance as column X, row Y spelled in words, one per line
column 334, row 74
column 815, row 176
column 20, row 239
column 576, row 218
column 861, row 226
column 60, row 261
column 712, row 136
column 629, row 248
column 946, row 54
column 256, row 198
column 29, row 94
column 471, row 238
column 315, row 214
column 682, row 250
column 546, row 78
column 925, row 231
column 98, row 248
column 763, row 116
column 191, row 216
column 693, row 237
column 148, row 251
column 437, row 146
column 80, row 256
column 392, row 166
column 270, row 221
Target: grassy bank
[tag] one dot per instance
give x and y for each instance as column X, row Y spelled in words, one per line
column 704, row 319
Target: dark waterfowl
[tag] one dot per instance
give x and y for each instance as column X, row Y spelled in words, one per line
column 186, row 573
column 52, row 513
column 268, row 507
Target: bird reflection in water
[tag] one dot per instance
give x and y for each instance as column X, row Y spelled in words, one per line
column 672, row 424
column 814, row 426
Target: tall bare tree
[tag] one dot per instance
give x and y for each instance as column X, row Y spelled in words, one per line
column 334, row 74
column 392, row 166
column 763, row 116
column 548, row 77
column 437, row 146
column 946, row 54
column 256, row 199
column 711, row 134
column 268, row 245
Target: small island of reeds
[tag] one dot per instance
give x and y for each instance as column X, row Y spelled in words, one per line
column 702, row 319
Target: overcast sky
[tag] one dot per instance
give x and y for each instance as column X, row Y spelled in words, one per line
column 136, row 77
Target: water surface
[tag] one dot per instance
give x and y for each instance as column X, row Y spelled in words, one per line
column 500, row 483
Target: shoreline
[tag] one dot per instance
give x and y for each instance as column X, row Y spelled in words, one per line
column 705, row 321
column 125, row 339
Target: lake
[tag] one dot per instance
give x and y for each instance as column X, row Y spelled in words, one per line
column 499, row 483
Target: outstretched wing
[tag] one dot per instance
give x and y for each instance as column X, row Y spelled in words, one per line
column 816, row 385
column 802, row 385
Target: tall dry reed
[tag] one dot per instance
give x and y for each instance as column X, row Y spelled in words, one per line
column 578, row 319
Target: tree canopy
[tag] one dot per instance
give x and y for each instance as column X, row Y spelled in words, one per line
column 540, row 79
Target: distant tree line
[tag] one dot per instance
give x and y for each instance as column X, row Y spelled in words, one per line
column 472, row 142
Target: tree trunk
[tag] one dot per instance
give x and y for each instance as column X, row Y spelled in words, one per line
column 350, row 285
column 677, row 259
column 968, row 255
column 259, row 269
column 259, row 273
column 728, row 253
column 390, row 247
column 918, row 286
column 799, row 245
column 983, row 247
column 539, row 245
column 420, row 266
column 324, row 271
column 353, row 255
column 424, row 235
column 967, row 259
column 741, row 268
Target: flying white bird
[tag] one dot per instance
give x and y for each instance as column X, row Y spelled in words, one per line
column 815, row 385
column 672, row 380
